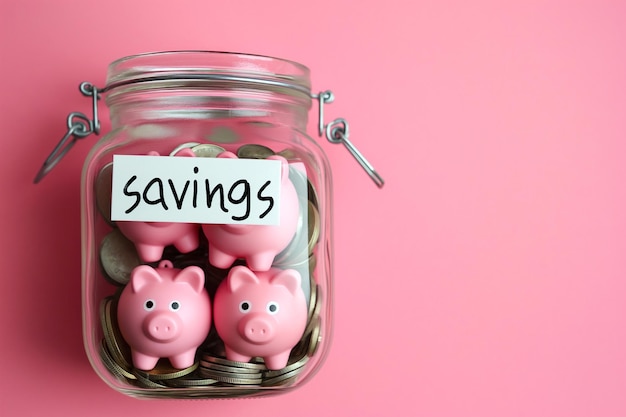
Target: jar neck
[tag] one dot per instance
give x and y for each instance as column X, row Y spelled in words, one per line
column 192, row 85
column 172, row 105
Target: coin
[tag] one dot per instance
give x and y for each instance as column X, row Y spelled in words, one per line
column 314, row 314
column 281, row 379
column 312, row 301
column 119, row 350
column 113, row 366
column 164, row 371
column 229, row 374
column 147, row 382
column 231, row 369
column 314, row 226
column 207, row 150
column 190, row 382
column 227, row 362
column 183, row 146
column 253, row 151
column 289, row 368
column 118, row 257
column 316, row 337
column 102, row 190
column 288, row 154
column 229, row 378
column 222, row 134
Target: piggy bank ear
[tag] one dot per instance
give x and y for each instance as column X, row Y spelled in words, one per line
column 284, row 173
column 143, row 275
column 193, row 276
column 227, row 154
column 240, row 276
column 289, row 278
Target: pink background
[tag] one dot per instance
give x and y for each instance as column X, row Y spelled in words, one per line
column 485, row 279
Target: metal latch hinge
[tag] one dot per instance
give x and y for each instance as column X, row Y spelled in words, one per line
column 338, row 131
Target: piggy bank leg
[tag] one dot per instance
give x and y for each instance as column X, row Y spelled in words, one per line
column 143, row 362
column 149, row 253
column 183, row 360
column 231, row 355
column 188, row 243
column 220, row 259
column 277, row 361
column 261, row 261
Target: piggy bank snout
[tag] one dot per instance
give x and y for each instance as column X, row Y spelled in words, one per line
column 162, row 327
column 257, row 329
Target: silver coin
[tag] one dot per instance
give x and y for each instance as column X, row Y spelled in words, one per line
column 229, row 378
column 282, row 379
column 163, row 371
column 190, row 382
column 183, row 146
column 118, row 257
column 253, row 151
column 102, row 191
column 230, row 369
column 227, row 362
column 207, row 150
column 222, row 134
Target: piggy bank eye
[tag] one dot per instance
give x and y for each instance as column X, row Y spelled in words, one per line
column 245, row 306
column 272, row 307
column 174, row 305
column 149, row 305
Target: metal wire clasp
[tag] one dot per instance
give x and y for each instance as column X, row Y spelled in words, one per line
column 338, row 131
column 79, row 126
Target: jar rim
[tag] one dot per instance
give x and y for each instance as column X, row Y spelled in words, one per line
column 209, row 66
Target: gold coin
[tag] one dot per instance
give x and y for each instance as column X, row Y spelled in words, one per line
column 313, row 197
column 164, row 371
column 288, row 154
column 118, row 257
column 253, row 151
column 147, row 382
column 207, row 150
column 120, row 351
column 102, row 190
column 314, row 225
column 316, row 338
column 112, row 366
column 312, row 302
column 315, row 313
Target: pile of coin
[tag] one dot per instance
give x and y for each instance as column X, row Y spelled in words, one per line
column 212, row 374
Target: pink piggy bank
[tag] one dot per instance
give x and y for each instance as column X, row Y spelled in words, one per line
column 257, row 244
column 164, row 313
column 150, row 238
column 260, row 314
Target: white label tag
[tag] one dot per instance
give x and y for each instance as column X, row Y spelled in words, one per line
column 195, row 190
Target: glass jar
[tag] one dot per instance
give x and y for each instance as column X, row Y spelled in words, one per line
column 206, row 226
